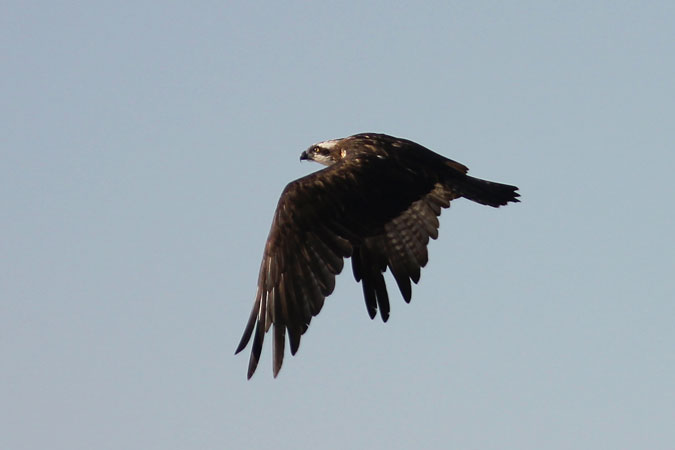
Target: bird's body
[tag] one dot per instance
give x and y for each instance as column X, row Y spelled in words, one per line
column 378, row 202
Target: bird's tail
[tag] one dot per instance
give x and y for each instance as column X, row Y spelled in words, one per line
column 487, row 192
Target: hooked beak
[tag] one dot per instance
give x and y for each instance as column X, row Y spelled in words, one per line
column 304, row 155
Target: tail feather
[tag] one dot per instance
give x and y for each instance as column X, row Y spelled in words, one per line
column 488, row 192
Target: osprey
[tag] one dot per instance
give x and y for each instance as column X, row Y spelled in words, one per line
column 378, row 202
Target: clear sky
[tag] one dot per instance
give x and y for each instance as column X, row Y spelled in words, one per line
column 143, row 150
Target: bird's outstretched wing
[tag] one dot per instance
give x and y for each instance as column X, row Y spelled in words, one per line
column 401, row 247
column 379, row 212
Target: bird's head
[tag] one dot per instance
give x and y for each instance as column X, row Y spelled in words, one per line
column 326, row 152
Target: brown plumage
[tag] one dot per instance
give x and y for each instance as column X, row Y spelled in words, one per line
column 378, row 202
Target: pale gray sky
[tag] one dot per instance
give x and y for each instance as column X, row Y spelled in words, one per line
column 144, row 147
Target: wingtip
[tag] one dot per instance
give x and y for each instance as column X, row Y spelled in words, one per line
column 248, row 331
column 241, row 346
column 256, row 349
column 278, row 347
column 252, row 365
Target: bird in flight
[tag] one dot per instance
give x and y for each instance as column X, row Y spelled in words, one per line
column 378, row 202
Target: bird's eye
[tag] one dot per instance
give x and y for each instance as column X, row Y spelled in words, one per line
column 316, row 150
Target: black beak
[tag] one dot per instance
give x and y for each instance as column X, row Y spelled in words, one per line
column 303, row 155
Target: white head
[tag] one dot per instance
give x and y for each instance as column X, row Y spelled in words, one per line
column 326, row 152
